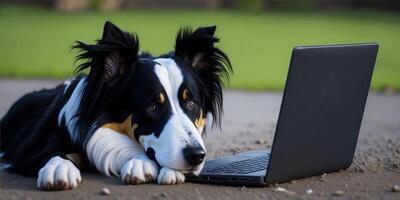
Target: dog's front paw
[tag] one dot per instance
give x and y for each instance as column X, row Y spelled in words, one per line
column 58, row 174
column 169, row 176
column 137, row 171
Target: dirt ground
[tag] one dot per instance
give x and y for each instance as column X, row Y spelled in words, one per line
column 249, row 123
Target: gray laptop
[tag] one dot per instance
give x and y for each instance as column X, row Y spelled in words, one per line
column 319, row 121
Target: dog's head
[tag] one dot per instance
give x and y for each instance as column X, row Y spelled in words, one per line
column 163, row 100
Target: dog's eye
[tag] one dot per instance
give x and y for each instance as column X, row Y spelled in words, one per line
column 152, row 107
column 190, row 105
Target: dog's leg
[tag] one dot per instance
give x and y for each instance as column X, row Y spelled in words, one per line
column 58, row 174
column 114, row 153
column 169, row 176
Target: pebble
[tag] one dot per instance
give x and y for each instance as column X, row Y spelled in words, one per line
column 105, row 191
column 243, row 188
column 163, row 194
column 396, row 164
column 360, row 168
column 338, row 193
column 323, row 177
column 283, row 190
column 395, row 188
column 260, row 141
column 160, row 196
column 279, row 189
column 309, row 191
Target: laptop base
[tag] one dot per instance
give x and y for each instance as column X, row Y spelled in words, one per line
column 235, row 170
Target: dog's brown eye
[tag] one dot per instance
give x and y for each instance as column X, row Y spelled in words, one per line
column 190, row 105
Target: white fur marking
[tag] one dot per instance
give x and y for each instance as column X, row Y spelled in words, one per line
column 71, row 108
column 109, row 151
column 175, row 135
column 58, row 174
column 139, row 170
column 68, row 82
column 171, row 78
column 169, row 176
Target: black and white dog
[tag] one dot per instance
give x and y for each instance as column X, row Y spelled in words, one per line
column 134, row 116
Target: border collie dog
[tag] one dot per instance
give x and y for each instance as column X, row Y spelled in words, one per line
column 133, row 115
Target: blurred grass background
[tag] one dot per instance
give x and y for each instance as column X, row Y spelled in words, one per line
column 35, row 42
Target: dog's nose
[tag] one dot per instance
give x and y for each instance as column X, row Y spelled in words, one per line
column 194, row 155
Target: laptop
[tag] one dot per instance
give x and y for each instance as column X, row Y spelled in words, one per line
column 319, row 120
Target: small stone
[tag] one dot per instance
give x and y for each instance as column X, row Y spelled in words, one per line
column 396, row 164
column 260, row 141
column 243, row 188
column 163, row 195
column 105, row 191
column 283, row 190
column 309, row 191
column 338, row 193
column 360, row 168
column 279, row 189
column 395, row 188
column 323, row 177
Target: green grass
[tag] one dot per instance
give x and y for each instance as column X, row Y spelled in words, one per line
column 35, row 42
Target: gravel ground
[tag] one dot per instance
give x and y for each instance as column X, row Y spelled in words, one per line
column 249, row 123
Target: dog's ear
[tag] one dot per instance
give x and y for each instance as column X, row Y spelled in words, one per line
column 110, row 61
column 111, row 56
column 197, row 49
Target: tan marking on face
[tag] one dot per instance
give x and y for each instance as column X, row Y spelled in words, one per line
column 185, row 94
column 200, row 122
column 161, row 98
column 125, row 127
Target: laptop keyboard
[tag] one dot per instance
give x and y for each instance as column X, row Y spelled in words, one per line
column 242, row 167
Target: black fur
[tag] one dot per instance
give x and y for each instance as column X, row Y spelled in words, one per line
column 120, row 83
column 30, row 134
column 211, row 68
column 105, row 82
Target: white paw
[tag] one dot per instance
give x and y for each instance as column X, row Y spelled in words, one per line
column 139, row 170
column 58, row 174
column 169, row 176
